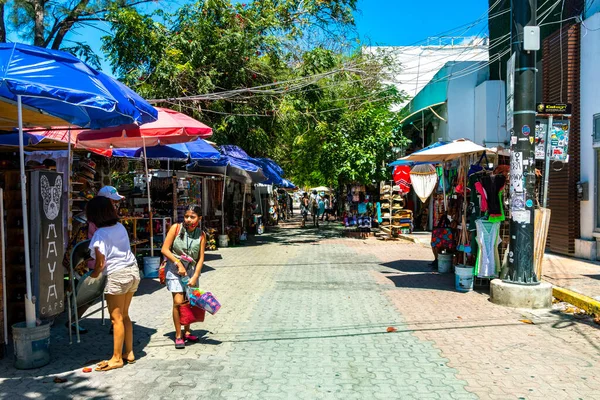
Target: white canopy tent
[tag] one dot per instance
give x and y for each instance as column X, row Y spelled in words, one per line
column 456, row 149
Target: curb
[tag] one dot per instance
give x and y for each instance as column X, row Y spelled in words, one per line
column 584, row 302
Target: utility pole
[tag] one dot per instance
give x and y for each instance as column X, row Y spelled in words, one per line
column 522, row 156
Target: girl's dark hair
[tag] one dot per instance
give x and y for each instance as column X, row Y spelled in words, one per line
column 196, row 209
column 101, row 212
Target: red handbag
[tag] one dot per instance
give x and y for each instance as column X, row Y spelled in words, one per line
column 188, row 314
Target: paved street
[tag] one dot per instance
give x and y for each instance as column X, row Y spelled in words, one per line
column 305, row 316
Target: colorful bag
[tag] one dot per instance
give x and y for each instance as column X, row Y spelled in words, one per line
column 188, row 314
column 194, row 295
column 208, row 302
column 442, row 237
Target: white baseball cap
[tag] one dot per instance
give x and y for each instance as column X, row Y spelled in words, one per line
column 111, row 193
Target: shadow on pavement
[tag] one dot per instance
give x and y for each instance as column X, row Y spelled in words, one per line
column 201, row 333
column 74, row 386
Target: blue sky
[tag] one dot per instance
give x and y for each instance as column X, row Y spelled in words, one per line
column 381, row 22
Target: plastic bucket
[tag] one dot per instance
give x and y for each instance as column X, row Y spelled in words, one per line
column 151, row 265
column 223, row 240
column 445, row 263
column 32, row 345
column 463, row 278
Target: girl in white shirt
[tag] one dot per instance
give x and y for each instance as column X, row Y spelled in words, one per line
column 111, row 249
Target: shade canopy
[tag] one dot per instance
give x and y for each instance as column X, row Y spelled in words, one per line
column 271, row 170
column 44, row 140
column 446, row 152
column 321, row 189
column 240, row 170
column 286, row 184
column 58, row 84
column 171, row 127
column 404, row 161
column 198, row 149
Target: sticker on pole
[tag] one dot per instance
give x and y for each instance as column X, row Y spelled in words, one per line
column 526, row 130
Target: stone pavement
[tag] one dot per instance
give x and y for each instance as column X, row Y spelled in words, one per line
column 305, row 316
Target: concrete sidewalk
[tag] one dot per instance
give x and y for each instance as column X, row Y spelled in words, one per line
column 580, row 276
column 307, row 315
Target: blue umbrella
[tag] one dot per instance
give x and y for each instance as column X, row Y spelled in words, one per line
column 271, row 171
column 61, row 85
column 272, row 164
column 12, row 139
column 286, row 184
column 196, row 150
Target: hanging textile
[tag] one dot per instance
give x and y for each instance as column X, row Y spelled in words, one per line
column 423, row 178
column 494, row 185
column 401, row 176
column 488, row 259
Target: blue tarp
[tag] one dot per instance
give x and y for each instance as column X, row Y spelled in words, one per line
column 63, row 86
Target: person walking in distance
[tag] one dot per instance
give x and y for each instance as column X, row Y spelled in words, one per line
column 304, row 205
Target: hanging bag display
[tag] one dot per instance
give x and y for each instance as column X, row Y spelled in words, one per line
column 442, row 237
column 475, row 168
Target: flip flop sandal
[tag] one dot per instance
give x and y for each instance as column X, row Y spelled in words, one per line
column 107, row 367
column 125, row 360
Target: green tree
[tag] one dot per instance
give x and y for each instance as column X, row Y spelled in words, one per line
column 47, row 23
column 282, row 79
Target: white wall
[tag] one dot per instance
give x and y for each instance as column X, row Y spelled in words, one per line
column 490, row 114
column 461, row 101
column 420, row 63
column 590, row 105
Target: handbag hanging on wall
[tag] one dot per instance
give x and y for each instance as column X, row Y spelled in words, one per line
column 442, row 236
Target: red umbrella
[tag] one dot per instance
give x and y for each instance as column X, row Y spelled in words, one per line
column 171, row 127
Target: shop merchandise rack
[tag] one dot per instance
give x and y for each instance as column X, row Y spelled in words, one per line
column 394, row 215
column 15, row 249
column 139, row 233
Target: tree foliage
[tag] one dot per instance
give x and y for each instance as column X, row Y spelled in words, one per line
column 47, row 23
column 281, row 78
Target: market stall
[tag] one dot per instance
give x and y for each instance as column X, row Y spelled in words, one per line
column 468, row 208
column 69, row 93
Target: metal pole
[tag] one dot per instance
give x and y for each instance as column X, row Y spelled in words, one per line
column 3, row 266
column 29, row 306
column 243, row 206
column 547, row 161
column 149, row 200
column 223, row 203
column 522, row 170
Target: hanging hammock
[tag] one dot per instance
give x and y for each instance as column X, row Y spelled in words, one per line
column 424, row 178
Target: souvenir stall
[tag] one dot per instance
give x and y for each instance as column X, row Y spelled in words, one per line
column 358, row 209
column 470, row 227
column 228, row 169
